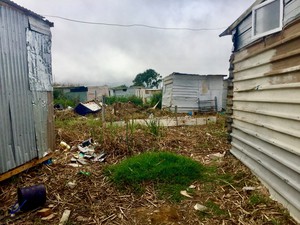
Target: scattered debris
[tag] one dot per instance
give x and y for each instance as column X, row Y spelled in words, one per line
column 87, row 142
column 86, row 151
column 44, row 212
column 90, row 204
column 65, row 145
column 71, row 184
column 84, row 173
column 249, row 189
column 192, row 186
column 87, row 108
column 217, row 155
column 184, row 193
column 82, row 161
column 50, row 217
column 65, row 217
column 75, row 165
column 200, row 207
column 58, row 106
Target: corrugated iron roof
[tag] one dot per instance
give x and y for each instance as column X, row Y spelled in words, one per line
column 187, row 74
column 26, row 11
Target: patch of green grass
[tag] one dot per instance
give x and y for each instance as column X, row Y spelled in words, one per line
column 275, row 222
column 215, row 209
column 256, row 199
column 168, row 172
column 171, row 192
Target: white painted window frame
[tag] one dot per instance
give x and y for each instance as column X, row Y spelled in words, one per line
column 270, row 31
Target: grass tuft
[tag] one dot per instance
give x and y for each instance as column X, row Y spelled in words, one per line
column 168, row 172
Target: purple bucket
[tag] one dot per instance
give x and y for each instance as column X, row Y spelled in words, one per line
column 31, row 197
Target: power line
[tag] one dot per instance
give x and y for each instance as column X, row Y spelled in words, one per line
column 135, row 25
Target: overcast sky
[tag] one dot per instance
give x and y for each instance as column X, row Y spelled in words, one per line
column 96, row 55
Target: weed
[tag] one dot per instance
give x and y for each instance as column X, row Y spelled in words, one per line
column 256, row 199
column 275, row 222
column 156, row 98
column 154, row 127
column 215, row 209
column 168, row 172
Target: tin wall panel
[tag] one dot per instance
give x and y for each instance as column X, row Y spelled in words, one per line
column 18, row 136
column 266, row 113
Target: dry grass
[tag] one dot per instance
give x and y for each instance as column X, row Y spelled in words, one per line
column 95, row 200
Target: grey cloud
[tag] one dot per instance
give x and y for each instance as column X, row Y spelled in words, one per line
column 91, row 54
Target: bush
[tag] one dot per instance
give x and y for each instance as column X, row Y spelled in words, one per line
column 155, row 98
column 60, row 98
column 124, row 99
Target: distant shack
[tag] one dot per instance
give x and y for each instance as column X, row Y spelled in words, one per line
column 193, row 92
column 27, row 126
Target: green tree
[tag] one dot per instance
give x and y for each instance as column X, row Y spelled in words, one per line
column 150, row 79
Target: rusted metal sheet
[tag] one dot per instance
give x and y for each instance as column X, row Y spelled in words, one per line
column 18, row 130
column 266, row 113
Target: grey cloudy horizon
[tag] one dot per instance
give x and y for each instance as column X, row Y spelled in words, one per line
column 89, row 54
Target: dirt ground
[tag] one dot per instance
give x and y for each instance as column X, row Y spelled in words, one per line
column 94, row 200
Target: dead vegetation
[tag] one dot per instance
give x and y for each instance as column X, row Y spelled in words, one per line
column 94, row 200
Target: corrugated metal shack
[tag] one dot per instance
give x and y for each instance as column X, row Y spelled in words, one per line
column 193, row 92
column 264, row 96
column 27, row 133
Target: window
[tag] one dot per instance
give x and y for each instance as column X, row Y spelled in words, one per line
column 267, row 18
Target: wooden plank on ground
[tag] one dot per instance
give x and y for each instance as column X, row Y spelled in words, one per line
column 24, row 167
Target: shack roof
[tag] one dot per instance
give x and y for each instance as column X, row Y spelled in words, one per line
column 187, row 74
column 25, row 11
column 229, row 30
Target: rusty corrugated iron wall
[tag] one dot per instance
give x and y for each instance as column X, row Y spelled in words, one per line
column 23, row 135
column 266, row 112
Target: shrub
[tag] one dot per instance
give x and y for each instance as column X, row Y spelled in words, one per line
column 156, row 98
column 124, row 99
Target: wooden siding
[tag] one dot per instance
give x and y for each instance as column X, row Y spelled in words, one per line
column 266, row 113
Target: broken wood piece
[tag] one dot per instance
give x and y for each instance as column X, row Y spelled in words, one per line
column 75, row 165
column 44, row 212
column 50, row 217
column 65, row 217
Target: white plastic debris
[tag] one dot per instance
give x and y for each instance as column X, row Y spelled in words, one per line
column 192, row 186
column 200, row 207
column 217, row 155
column 71, row 184
column 86, row 149
column 248, row 189
column 184, row 193
column 75, row 165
